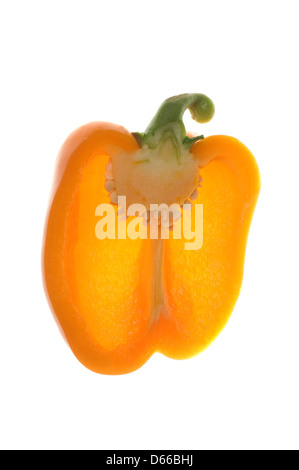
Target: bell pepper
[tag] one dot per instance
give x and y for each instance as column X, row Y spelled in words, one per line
column 120, row 299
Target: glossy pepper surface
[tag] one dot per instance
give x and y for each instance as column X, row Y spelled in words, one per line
column 119, row 300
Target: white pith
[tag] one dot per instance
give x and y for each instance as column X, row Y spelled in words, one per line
column 165, row 217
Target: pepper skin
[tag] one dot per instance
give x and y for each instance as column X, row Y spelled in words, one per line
column 118, row 301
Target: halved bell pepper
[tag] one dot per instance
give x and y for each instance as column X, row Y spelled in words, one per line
column 119, row 300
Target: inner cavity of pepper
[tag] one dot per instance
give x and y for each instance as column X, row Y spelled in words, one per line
column 146, row 178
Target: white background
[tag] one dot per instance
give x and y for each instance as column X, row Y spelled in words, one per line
column 65, row 63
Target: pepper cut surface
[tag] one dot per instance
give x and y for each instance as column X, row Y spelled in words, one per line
column 118, row 301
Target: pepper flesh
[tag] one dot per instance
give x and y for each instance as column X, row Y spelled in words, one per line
column 104, row 292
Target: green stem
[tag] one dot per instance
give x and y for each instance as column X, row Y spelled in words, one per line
column 168, row 121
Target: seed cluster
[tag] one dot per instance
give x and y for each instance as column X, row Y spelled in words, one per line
column 164, row 217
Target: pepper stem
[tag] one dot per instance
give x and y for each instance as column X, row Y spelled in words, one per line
column 168, row 121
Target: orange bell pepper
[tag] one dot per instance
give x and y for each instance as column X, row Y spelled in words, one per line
column 119, row 300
